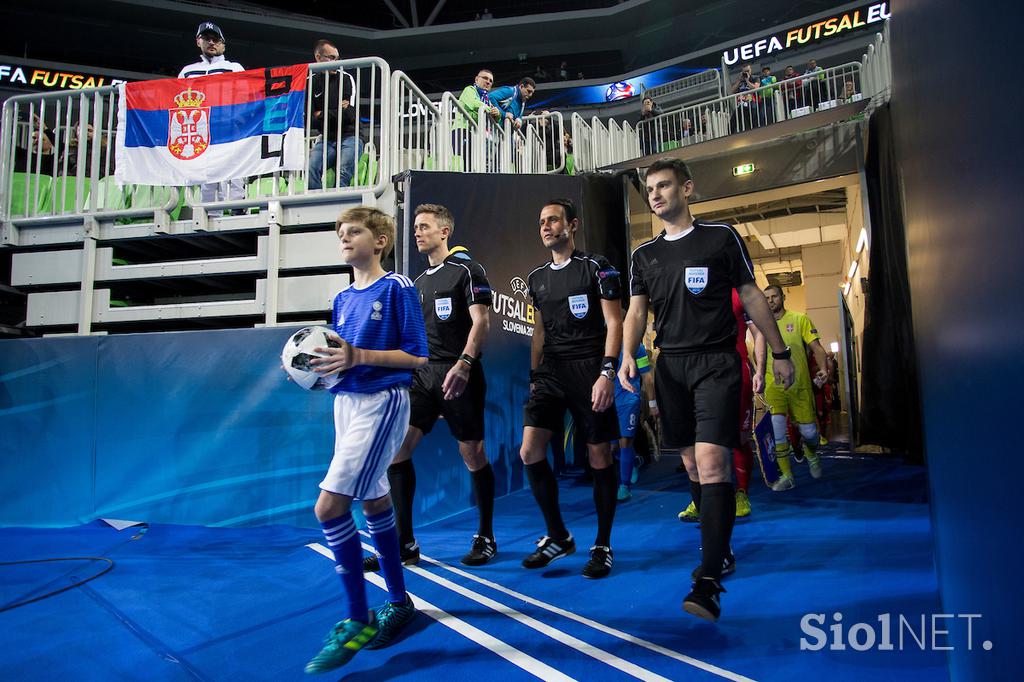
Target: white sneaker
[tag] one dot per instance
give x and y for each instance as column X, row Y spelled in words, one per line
column 815, row 466
column 784, row 483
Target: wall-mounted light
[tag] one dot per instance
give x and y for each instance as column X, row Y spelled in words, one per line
column 744, row 169
column 862, row 241
column 853, row 270
column 834, row 346
column 846, row 289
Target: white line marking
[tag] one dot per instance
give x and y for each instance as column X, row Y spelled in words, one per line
column 514, row 656
column 721, row 672
column 543, row 628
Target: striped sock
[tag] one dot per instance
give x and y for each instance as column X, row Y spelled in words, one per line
column 343, row 540
column 385, row 539
column 782, row 452
column 626, row 459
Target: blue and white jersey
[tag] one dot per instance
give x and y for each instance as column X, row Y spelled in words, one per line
column 384, row 316
column 643, row 366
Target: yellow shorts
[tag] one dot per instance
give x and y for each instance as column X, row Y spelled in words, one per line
column 798, row 402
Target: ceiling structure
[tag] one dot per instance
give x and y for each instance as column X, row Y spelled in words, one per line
column 156, row 36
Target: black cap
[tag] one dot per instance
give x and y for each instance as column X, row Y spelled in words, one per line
column 209, row 27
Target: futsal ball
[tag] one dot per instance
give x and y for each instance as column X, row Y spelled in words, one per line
column 298, row 352
column 620, row 90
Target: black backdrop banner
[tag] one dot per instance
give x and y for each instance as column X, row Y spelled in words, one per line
column 890, row 395
column 497, row 220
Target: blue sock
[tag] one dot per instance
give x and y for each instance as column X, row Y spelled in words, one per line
column 343, row 540
column 385, row 539
column 626, row 457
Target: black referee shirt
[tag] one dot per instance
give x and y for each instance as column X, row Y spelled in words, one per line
column 446, row 292
column 689, row 281
column 568, row 297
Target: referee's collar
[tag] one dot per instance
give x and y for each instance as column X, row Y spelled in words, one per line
column 674, row 237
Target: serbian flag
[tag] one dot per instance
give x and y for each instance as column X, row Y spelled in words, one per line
column 190, row 131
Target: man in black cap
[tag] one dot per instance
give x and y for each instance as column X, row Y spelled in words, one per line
column 211, row 44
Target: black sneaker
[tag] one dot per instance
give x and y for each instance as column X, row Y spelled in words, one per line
column 548, row 550
column 410, row 555
column 600, row 563
column 703, row 599
column 728, row 567
column 481, row 551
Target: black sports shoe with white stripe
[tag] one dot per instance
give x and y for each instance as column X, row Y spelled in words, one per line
column 703, row 600
column 728, row 567
column 600, row 563
column 481, row 551
column 548, row 550
column 410, row 554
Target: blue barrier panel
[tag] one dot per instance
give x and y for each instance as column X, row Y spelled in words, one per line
column 47, row 431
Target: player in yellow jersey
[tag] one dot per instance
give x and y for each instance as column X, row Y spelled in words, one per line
column 797, row 332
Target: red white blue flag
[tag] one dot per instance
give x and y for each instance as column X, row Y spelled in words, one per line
column 189, row 131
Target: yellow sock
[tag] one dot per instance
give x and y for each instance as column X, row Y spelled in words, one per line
column 782, row 457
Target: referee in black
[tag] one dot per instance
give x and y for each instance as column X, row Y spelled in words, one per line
column 576, row 340
column 686, row 274
column 456, row 300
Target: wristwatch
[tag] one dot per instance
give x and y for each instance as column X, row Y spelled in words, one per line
column 608, row 373
column 784, row 355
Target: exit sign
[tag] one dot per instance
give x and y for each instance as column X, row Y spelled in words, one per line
column 745, row 169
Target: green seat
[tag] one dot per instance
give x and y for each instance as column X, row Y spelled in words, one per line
column 670, row 145
column 109, row 196
column 366, row 169
column 31, row 206
column 570, row 165
column 297, row 184
column 155, row 196
column 64, row 193
column 265, row 187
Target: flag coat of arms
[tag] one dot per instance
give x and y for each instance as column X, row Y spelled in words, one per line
column 190, row 131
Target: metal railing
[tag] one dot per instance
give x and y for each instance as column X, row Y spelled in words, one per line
column 46, row 174
column 701, row 80
column 749, row 109
column 417, row 124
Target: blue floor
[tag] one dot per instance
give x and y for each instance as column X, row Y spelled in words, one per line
column 232, row 604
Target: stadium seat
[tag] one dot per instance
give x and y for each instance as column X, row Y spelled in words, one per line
column 64, row 193
column 109, row 196
column 33, row 206
column 570, row 165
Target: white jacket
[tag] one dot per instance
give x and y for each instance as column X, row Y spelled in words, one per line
column 208, row 67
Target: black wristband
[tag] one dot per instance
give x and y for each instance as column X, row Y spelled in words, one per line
column 784, row 355
column 608, row 362
column 468, row 359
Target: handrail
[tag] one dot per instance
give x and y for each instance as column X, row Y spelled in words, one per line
column 680, row 84
column 415, row 129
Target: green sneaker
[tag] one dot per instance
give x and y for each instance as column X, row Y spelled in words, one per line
column 690, row 514
column 391, row 618
column 624, row 493
column 742, row 504
column 343, row 642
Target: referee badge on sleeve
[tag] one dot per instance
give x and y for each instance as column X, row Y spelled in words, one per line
column 696, row 279
column 579, row 304
column 443, row 307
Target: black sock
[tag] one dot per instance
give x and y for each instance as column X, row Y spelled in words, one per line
column 545, row 491
column 695, row 494
column 483, row 489
column 604, row 501
column 402, row 477
column 717, row 516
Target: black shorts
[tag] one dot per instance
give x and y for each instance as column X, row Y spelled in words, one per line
column 465, row 414
column 561, row 384
column 699, row 398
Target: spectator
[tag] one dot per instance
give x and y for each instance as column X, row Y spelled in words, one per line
column 540, row 74
column 511, row 100
column 106, row 153
column 563, row 71
column 473, row 98
column 767, row 95
column 330, row 96
column 745, row 116
column 41, row 141
column 815, row 83
column 486, row 14
column 792, row 89
column 849, row 91
column 211, row 44
column 651, row 140
column 580, row 76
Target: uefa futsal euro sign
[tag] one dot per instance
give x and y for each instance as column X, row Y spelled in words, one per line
column 188, row 134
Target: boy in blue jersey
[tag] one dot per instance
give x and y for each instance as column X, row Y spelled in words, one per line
column 627, row 405
column 379, row 322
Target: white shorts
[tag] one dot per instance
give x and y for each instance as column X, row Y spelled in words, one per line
column 368, row 431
